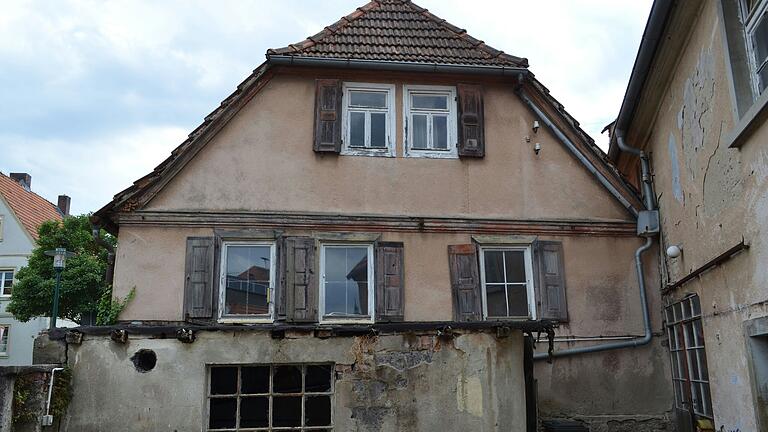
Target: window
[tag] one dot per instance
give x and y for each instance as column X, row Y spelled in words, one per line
column 690, row 375
column 1, row 228
column 430, row 121
column 506, row 279
column 346, row 285
column 368, row 119
column 247, row 278
column 5, row 333
column 754, row 15
column 6, row 282
column 270, row 397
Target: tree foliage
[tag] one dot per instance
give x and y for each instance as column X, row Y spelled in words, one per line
column 82, row 281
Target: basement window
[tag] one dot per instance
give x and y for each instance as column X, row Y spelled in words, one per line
column 6, row 282
column 248, row 278
column 271, row 398
column 506, row 276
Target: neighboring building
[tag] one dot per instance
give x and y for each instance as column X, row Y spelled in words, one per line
column 360, row 238
column 697, row 104
column 21, row 212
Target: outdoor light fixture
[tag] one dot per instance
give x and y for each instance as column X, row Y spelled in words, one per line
column 537, row 148
column 674, row 251
column 536, row 126
column 60, row 256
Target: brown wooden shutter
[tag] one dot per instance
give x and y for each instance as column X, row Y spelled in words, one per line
column 198, row 285
column 328, row 116
column 301, row 290
column 389, row 281
column 470, row 121
column 465, row 282
column 550, row 289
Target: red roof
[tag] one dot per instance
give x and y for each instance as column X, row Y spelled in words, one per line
column 30, row 208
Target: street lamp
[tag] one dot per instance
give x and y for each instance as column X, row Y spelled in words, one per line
column 60, row 256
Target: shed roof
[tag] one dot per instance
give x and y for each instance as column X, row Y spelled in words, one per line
column 30, row 208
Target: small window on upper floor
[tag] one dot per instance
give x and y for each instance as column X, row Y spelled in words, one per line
column 754, row 15
column 6, row 282
column 368, row 119
column 430, row 121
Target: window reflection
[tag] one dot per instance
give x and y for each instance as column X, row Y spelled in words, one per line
column 247, row 280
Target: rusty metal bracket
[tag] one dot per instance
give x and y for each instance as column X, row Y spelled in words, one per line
column 714, row 262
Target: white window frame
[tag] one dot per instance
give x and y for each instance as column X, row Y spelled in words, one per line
column 750, row 21
column 1, row 228
column 450, row 92
column 2, row 281
column 371, row 286
column 6, row 353
column 528, row 257
column 224, row 318
column 346, row 149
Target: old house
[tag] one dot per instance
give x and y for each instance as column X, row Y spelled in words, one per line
column 695, row 108
column 21, row 212
column 367, row 235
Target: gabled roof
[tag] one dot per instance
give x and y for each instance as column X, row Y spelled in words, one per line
column 30, row 208
column 398, row 30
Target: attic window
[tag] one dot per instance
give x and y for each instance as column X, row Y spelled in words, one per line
column 368, row 119
column 6, row 282
column 430, row 121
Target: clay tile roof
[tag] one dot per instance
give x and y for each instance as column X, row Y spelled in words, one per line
column 399, row 31
column 30, row 208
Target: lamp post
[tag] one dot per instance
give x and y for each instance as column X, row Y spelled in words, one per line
column 60, row 256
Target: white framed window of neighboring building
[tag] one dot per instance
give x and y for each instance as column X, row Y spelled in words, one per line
column 247, row 281
column 295, row 397
column 1, row 228
column 6, row 282
column 346, row 283
column 506, row 275
column 368, row 120
column 430, row 121
column 5, row 337
column 754, row 14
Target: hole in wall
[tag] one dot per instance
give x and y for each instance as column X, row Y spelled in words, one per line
column 144, row 360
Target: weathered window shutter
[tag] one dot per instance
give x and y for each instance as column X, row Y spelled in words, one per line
column 389, row 281
column 470, row 121
column 301, row 290
column 550, row 289
column 198, row 285
column 328, row 116
column 465, row 282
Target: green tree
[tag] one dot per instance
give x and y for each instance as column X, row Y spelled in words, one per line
column 82, row 281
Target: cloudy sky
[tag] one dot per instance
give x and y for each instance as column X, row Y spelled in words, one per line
column 96, row 93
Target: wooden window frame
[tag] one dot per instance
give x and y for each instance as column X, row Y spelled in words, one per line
column 7, row 335
column 238, row 395
column 234, row 318
column 750, row 21
column 450, row 92
column 371, row 286
column 3, row 271
column 529, row 275
column 680, row 316
column 346, row 149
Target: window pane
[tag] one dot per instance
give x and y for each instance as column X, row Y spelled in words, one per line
column 515, row 261
column 419, row 131
column 429, row 101
column 318, row 411
column 254, row 412
column 696, row 304
column 702, row 357
column 287, row 379
column 518, row 300
column 496, row 300
column 763, row 77
column 378, row 130
column 286, row 411
column 368, row 99
column 693, row 365
column 760, row 40
column 440, row 132
column 318, row 378
column 346, row 281
column 494, row 266
column 223, row 380
column 254, row 380
column 357, row 129
column 248, row 274
column 222, row 413
column 335, row 298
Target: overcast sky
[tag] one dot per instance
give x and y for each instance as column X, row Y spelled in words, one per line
column 94, row 94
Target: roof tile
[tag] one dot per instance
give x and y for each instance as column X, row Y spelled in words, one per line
column 30, row 208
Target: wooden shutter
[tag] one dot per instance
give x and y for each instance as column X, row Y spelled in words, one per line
column 550, row 290
column 301, row 290
column 465, row 282
column 328, row 116
column 198, row 285
column 470, row 121
column 389, row 281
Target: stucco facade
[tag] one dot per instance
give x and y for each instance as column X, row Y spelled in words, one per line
column 710, row 179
